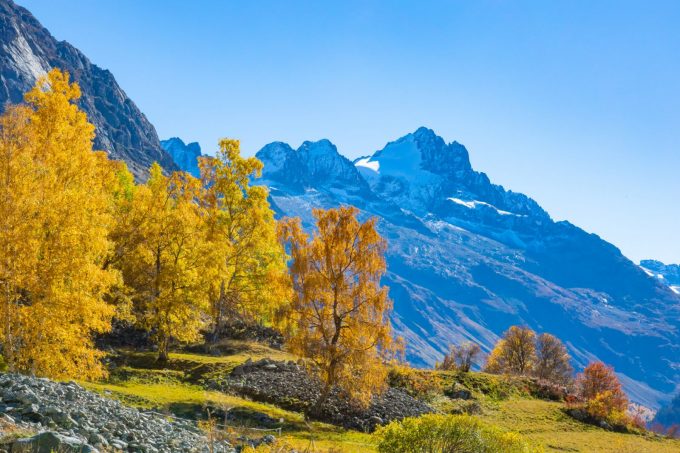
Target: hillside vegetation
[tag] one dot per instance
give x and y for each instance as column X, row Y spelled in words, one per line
column 509, row 403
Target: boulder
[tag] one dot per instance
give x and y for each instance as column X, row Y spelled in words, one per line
column 48, row 442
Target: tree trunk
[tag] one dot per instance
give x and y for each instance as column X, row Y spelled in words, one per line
column 163, row 351
column 219, row 316
column 316, row 409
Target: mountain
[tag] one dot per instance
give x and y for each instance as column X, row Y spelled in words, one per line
column 185, row 156
column 28, row 51
column 669, row 274
column 467, row 259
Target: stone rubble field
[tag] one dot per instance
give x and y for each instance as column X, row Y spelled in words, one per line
column 68, row 418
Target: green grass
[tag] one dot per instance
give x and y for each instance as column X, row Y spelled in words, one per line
column 545, row 423
column 505, row 402
column 175, row 388
column 186, row 400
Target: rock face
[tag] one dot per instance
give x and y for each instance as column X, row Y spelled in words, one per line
column 185, row 156
column 74, row 419
column 288, row 385
column 28, row 50
column 467, row 259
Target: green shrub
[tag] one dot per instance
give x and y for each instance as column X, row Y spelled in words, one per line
column 417, row 383
column 448, row 434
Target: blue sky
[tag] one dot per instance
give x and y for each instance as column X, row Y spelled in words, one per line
column 575, row 103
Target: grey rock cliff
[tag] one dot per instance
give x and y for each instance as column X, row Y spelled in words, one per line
column 28, row 50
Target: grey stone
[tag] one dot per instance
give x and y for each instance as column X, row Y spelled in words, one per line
column 49, row 442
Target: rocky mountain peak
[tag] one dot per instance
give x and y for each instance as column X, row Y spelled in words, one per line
column 184, row 155
column 468, row 258
column 28, row 50
column 313, row 165
column 423, row 150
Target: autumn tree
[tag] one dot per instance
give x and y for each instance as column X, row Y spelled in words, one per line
column 165, row 258
column 338, row 317
column 460, row 357
column 515, row 353
column 552, row 360
column 55, row 213
column 248, row 275
column 601, row 390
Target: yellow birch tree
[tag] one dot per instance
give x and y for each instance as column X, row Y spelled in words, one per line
column 338, row 317
column 165, row 258
column 248, row 274
column 55, row 209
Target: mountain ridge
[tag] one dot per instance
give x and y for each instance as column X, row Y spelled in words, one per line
column 468, row 258
column 28, row 51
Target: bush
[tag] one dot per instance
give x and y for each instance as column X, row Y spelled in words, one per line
column 600, row 389
column 417, row 383
column 448, row 434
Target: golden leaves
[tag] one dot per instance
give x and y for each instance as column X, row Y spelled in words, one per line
column 338, row 317
column 55, row 210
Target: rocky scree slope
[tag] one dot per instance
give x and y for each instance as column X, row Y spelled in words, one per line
column 468, row 258
column 288, row 385
column 28, row 51
column 80, row 420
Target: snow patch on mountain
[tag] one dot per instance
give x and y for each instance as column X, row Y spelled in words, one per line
column 366, row 162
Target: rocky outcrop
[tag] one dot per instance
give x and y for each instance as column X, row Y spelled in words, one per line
column 669, row 274
column 288, row 385
column 311, row 165
column 28, row 50
column 70, row 417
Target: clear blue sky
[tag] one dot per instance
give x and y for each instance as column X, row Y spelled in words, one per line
column 575, row 103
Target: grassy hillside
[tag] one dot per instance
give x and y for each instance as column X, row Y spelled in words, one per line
column 505, row 402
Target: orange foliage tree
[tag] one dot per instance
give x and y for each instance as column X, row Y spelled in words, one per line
column 601, row 390
column 338, row 317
